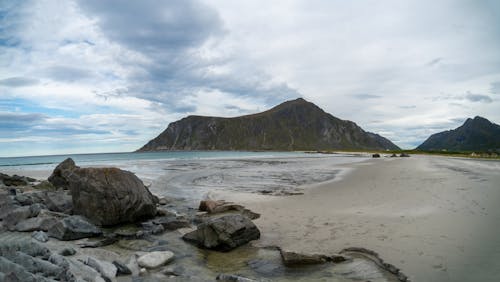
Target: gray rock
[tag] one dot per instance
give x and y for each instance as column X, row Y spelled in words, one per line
column 376, row 156
column 101, row 242
column 122, row 269
column 16, row 215
column 67, row 252
column 106, row 269
column 232, row 278
column 72, row 228
column 172, row 222
column 23, row 199
column 59, row 177
column 40, row 236
column 58, row 201
column 155, row 259
column 35, row 224
column 14, row 180
column 106, row 196
column 297, row 259
column 224, row 233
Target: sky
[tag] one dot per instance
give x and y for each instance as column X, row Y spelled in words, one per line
column 107, row 76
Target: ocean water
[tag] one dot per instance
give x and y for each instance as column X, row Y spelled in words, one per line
column 192, row 175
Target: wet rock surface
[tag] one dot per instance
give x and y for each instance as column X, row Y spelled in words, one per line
column 224, row 233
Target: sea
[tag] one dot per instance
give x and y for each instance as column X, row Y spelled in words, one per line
column 194, row 174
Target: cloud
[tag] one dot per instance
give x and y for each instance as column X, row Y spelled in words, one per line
column 434, row 62
column 478, row 98
column 18, row 81
column 495, row 87
column 366, row 96
column 66, row 73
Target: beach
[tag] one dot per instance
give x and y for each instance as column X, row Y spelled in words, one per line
column 436, row 218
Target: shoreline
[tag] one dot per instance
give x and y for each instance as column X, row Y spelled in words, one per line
column 429, row 215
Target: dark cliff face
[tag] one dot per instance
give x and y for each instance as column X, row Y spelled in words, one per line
column 292, row 125
column 477, row 134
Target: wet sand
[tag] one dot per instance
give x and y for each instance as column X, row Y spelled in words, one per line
column 436, row 218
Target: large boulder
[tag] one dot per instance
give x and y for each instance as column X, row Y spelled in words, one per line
column 60, row 175
column 106, row 196
column 73, row 228
column 224, row 233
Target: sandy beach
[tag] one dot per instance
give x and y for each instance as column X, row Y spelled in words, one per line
column 436, row 218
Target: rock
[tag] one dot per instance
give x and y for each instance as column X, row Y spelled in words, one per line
column 376, row 156
column 297, row 259
column 106, row 196
column 224, row 233
column 155, row 259
column 133, row 265
column 404, row 155
column 36, row 209
column 122, row 269
column 172, row 222
column 218, row 207
column 67, row 252
column 72, row 228
column 45, row 185
column 58, row 202
column 15, row 216
column 59, row 177
column 163, row 201
column 106, row 269
column 394, row 156
column 40, row 223
column 40, row 236
column 14, row 180
column 232, row 278
column 101, row 242
column 23, row 200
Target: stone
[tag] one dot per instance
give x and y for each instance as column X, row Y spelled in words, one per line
column 23, row 200
column 45, row 185
column 35, row 224
column 224, row 233
column 155, row 259
column 40, row 236
column 376, row 156
column 14, row 180
column 106, row 269
column 106, row 196
column 101, row 242
column 16, row 215
column 67, row 252
column 73, row 228
column 122, row 269
column 218, row 207
column 172, row 222
column 232, row 278
column 394, row 155
column 58, row 202
column 404, row 155
column 298, row 259
column 59, row 177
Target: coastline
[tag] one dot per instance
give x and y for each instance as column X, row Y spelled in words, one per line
column 434, row 217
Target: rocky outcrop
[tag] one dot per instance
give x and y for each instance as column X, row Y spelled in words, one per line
column 292, row 125
column 224, row 233
column 73, row 228
column 106, row 196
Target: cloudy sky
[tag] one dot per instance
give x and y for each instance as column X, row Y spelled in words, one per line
column 107, row 76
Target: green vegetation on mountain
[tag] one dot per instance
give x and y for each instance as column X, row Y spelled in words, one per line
column 292, row 125
column 478, row 134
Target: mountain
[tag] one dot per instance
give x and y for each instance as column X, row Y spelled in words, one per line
column 478, row 134
column 292, row 125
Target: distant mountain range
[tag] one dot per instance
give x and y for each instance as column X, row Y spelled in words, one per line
column 292, row 125
column 478, row 134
